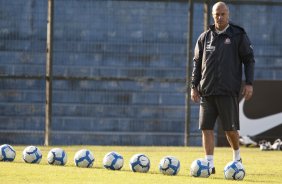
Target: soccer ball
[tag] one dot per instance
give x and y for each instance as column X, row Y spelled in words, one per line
column 200, row 168
column 169, row 165
column 113, row 161
column 7, row 153
column 84, row 158
column 139, row 163
column 57, row 156
column 32, row 154
column 234, row 171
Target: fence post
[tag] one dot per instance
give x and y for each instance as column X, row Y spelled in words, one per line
column 188, row 72
column 207, row 14
column 49, row 73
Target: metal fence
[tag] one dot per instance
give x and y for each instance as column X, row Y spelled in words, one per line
column 118, row 71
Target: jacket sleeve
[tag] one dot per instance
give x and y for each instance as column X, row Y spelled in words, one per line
column 197, row 63
column 247, row 57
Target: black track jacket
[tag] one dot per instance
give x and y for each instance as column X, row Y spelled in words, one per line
column 218, row 61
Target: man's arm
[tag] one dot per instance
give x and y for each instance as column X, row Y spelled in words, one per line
column 197, row 64
column 247, row 57
column 196, row 72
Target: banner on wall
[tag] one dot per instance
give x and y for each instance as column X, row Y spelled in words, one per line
column 260, row 117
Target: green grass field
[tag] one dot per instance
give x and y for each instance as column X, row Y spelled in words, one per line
column 261, row 167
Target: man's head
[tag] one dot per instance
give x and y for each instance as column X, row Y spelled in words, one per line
column 220, row 13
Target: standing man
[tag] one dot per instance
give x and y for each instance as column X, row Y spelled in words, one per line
column 220, row 53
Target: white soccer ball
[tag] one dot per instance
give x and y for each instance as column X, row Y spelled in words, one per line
column 32, row 154
column 57, row 156
column 169, row 165
column 234, row 171
column 139, row 163
column 84, row 158
column 200, row 168
column 7, row 153
column 113, row 161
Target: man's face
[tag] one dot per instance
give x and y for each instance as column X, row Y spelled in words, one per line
column 220, row 15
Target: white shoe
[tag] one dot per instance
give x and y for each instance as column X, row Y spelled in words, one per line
column 277, row 145
column 247, row 141
column 264, row 145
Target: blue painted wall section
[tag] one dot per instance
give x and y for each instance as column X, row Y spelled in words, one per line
column 127, row 64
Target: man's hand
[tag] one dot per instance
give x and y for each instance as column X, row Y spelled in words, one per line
column 195, row 95
column 247, row 92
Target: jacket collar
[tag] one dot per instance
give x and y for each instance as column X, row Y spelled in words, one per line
column 231, row 31
column 228, row 31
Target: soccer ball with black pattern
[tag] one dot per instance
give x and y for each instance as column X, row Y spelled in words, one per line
column 139, row 163
column 113, row 161
column 7, row 153
column 57, row 156
column 234, row 170
column 84, row 158
column 32, row 155
column 169, row 165
column 200, row 168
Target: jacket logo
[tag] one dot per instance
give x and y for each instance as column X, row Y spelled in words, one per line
column 209, row 47
column 227, row 41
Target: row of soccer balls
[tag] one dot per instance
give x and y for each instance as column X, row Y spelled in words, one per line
column 169, row 165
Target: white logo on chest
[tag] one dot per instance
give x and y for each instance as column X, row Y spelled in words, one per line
column 209, row 47
column 227, row 41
